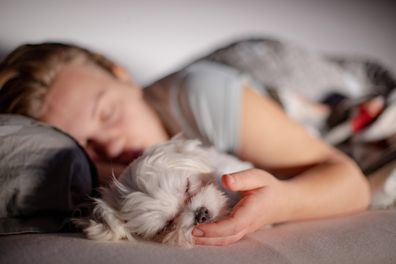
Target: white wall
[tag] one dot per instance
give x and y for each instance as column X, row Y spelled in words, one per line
column 153, row 37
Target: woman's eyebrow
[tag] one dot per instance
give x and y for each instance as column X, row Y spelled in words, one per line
column 97, row 99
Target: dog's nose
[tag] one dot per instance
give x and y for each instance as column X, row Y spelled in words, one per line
column 202, row 215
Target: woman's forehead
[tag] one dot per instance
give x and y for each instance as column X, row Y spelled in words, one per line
column 71, row 97
column 74, row 85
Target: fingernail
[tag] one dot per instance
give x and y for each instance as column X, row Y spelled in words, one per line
column 197, row 232
column 231, row 179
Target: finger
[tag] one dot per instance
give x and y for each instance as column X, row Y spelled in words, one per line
column 224, row 228
column 246, row 180
column 219, row 241
column 239, row 220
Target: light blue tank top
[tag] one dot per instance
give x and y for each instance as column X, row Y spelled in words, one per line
column 204, row 101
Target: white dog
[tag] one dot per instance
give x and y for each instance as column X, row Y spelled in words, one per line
column 163, row 194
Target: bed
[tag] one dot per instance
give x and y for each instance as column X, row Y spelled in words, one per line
column 35, row 222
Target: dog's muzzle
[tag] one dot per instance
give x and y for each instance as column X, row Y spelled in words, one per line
column 202, row 215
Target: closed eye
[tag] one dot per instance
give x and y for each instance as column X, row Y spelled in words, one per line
column 109, row 114
column 188, row 185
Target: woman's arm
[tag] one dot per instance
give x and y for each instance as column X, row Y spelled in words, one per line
column 321, row 181
column 322, row 174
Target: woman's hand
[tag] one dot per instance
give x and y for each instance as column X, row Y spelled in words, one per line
column 263, row 202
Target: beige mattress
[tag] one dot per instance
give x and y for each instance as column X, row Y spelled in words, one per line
column 368, row 237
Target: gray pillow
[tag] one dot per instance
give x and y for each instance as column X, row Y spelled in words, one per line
column 45, row 177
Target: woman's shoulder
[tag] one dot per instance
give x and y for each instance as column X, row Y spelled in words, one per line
column 205, row 72
column 207, row 66
column 202, row 86
column 204, row 99
column 202, row 74
column 213, row 92
column 206, row 81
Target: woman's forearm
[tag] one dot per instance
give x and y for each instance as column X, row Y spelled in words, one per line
column 336, row 186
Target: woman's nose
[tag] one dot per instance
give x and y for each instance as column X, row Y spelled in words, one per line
column 106, row 149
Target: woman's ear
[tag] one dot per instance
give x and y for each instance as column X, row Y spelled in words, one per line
column 121, row 74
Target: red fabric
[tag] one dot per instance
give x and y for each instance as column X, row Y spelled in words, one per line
column 362, row 119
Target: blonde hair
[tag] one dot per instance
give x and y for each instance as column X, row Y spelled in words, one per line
column 27, row 73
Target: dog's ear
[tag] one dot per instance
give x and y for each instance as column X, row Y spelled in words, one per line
column 104, row 225
column 80, row 223
column 97, row 230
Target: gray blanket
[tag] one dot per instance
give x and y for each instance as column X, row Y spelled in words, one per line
column 348, row 101
column 45, row 176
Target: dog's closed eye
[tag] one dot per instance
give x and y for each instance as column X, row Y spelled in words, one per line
column 188, row 195
column 188, row 186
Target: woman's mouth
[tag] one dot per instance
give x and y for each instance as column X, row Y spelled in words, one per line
column 127, row 157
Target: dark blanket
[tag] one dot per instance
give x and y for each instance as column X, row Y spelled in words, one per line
column 45, row 177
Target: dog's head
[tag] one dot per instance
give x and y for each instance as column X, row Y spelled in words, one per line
column 164, row 193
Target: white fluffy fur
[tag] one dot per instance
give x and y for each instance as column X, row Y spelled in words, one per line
column 385, row 197
column 149, row 200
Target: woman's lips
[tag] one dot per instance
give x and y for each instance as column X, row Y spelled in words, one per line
column 127, row 156
column 124, row 158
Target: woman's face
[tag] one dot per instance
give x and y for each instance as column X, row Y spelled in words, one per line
column 107, row 116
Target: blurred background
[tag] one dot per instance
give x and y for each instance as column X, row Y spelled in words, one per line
column 152, row 37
